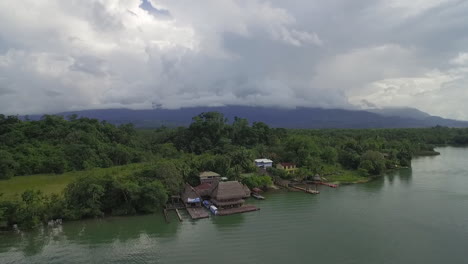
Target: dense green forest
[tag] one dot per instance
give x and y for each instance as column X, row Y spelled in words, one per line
column 170, row 157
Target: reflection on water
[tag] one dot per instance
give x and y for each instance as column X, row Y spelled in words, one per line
column 417, row 215
column 223, row 223
column 119, row 229
column 402, row 176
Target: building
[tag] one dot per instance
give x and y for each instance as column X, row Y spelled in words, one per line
column 287, row 166
column 209, row 177
column 264, row 163
column 204, row 190
column 191, row 197
column 317, row 178
column 228, row 194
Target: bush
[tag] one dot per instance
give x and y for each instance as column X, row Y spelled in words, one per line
column 256, row 181
column 7, row 165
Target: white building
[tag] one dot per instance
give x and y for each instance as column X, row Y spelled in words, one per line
column 263, row 163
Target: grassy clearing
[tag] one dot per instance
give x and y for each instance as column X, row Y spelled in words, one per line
column 337, row 174
column 55, row 183
column 347, row 177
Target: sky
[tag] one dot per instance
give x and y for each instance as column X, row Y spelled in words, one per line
column 60, row 55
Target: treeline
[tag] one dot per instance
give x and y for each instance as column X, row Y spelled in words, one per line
column 369, row 151
column 168, row 158
column 56, row 145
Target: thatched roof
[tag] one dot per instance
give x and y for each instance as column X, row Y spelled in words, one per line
column 204, row 189
column 246, row 191
column 317, row 178
column 225, row 203
column 228, row 190
column 207, row 174
column 189, row 192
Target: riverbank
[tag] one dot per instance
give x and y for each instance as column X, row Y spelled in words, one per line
column 388, row 216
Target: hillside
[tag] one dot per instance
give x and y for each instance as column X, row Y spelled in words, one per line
column 275, row 117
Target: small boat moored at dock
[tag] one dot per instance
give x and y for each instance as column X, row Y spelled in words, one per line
column 214, row 209
column 257, row 196
column 207, row 204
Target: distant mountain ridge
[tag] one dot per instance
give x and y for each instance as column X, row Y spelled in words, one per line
column 406, row 112
column 302, row 117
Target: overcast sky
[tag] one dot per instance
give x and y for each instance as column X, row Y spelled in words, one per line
column 58, row 55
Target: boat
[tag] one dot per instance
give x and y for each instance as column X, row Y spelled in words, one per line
column 214, row 209
column 207, row 204
column 257, row 196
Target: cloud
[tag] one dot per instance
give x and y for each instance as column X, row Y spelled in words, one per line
column 442, row 92
column 66, row 55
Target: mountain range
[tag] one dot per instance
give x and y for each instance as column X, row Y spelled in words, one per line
column 302, row 117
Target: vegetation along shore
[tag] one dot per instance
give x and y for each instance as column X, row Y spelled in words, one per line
column 74, row 168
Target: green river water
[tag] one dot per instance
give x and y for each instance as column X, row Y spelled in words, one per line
column 417, row 215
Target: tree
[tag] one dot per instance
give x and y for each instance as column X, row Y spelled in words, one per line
column 83, row 197
column 152, row 196
column 7, row 165
column 329, row 155
column 30, row 211
column 167, row 172
column 207, row 131
column 256, row 181
column 373, row 162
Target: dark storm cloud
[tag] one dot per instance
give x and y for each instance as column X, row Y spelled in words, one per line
column 178, row 53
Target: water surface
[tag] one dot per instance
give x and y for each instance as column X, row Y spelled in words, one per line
column 417, row 215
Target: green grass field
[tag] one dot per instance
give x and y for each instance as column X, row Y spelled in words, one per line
column 55, row 183
column 337, row 174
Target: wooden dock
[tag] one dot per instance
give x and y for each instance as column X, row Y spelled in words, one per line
column 197, row 212
column 329, row 184
column 305, row 190
column 238, row 210
column 169, row 208
column 178, row 214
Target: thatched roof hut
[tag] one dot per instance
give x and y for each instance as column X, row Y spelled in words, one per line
column 209, row 177
column 246, row 191
column 228, row 193
column 189, row 192
column 190, row 195
column 204, row 189
column 228, row 190
column 317, row 178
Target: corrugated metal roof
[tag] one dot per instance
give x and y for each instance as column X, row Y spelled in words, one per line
column 264, row 160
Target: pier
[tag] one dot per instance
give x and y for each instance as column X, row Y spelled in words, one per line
column 238, row 210
column 329, row 184
column 168, row 209
column 307, row 190
column 197, row 212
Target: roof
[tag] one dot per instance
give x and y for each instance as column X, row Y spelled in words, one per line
column 263, row 161
column 224, row 203
column 204, row 189
column 203, row 186
column 228, row 190
column 287, row 164
column 257, row 190
column 246, row 191
column 190, row 192
column 209, row 174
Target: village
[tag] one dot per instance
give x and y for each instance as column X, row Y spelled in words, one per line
column 218, row 196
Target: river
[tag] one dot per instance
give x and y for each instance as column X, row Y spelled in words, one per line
column 417, row 215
